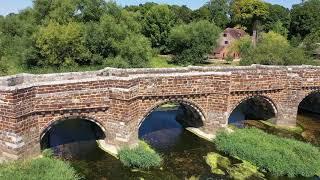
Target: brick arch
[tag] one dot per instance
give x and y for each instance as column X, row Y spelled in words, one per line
column 189, row 103
column 307, row 94
column 265, row 97
column 50, row 124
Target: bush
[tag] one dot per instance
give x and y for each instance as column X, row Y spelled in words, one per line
column 274, row 49
column 279, row 156
column 192, row 42
column 42, row 168
column 141, row 156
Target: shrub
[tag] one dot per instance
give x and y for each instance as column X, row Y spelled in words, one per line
column 190, row 43
column 141, row 156
column 279, row 156
column 274, row 49
column 42, row 168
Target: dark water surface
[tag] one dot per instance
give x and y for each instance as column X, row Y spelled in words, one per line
column 183, row 151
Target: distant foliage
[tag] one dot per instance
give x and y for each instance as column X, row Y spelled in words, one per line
column 274, row 49
column 41, row 168
column 305, row 18
column 311, row 43
column 279, row 156
column 157, row 24
column 192, row 42
column 142, row 157
column 82, row 34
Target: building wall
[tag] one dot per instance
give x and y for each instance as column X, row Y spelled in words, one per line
column 120, row 99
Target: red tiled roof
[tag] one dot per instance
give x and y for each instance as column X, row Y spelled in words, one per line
column 235, row 33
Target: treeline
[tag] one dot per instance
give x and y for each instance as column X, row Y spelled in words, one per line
column 94, row 33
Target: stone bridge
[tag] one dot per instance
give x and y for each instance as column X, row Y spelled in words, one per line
column 118, row 100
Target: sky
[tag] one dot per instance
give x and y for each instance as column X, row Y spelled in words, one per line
column 13, row 6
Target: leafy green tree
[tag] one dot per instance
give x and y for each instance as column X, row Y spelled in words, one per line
column 242, row 45
column 91, row 10
column 249, row 13
column 182, row 14
column 312, row 42
column 64, row 11
column 203, row 13
column 157, row 25
column 277, row 14
column 279, row 28
column 62, row 45
column 219, row 10
column 135, row 52
column 274, row 49
column 305, row 18
column 118, row 42
column 192, row 42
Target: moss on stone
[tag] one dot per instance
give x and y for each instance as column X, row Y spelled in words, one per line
column 217, row 161
column 244, row 170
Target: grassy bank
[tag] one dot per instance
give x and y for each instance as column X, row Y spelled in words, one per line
column 41, row 168
column 279, row 156
column 141, row 157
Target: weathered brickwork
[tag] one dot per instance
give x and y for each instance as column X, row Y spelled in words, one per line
column 118, row 100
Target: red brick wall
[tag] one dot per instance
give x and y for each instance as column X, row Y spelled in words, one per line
column 119, row 100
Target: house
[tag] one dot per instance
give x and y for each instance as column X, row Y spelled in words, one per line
column 228, row 36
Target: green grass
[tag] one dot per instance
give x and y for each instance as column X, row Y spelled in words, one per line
column 161, row 62
column 279, row 156
column 141, row 157
column 41, row 168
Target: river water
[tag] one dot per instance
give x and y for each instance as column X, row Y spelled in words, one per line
column 183, row 151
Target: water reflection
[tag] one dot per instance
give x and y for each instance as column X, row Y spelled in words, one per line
column 161, row 130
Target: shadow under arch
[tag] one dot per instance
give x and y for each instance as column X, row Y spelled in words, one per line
column 71, row 129
column 163, row 126
column 256, row 107
column 310, row 104
column 187, row 106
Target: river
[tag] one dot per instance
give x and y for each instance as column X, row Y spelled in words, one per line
column 183, row 151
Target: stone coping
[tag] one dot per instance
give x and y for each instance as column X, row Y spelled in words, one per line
column 24, row 80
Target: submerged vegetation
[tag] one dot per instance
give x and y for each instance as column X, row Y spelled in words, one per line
column 41, row 168
column 240, row 170
column 279, row 156
column 141, row 157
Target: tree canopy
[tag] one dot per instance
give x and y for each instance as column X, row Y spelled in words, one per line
column 95, row 33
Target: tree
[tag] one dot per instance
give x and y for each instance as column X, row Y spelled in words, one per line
column 190, row 43
column 157, row 25
column 249, row 13
column 274, row 49
column 62, row 45
column 305, row 18
column 277, row 14
column 203, row 13
column 219, row 10
column 312, row 42
column 242, row 45
column 279, row 28
column 136, row 51
column 182, row 14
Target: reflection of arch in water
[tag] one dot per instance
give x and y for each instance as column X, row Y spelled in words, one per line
column 71, row 129
column 189, row 106
column 163, row 128
column 253, row 108
column 310, row 103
